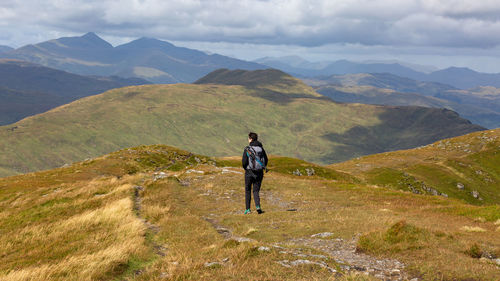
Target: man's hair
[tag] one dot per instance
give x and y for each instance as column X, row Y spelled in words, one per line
column 253, row 136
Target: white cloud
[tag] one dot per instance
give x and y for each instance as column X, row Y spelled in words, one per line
column 448, row 23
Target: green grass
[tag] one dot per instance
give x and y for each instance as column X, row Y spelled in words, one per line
column 399, row 237
column 470, row 160
column 214, row 120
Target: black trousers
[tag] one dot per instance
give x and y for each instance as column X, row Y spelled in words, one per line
column 253, row 178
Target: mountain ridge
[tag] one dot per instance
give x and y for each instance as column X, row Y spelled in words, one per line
column 459, row 77
column 147, row 58
column 27, row 88
column 4, row 48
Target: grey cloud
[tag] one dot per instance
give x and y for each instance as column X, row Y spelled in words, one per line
column 445, row 23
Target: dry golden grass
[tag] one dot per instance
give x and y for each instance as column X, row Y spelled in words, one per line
column 68, row 225
column 472, row 229
column 70, row 231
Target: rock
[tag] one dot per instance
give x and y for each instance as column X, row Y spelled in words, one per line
column 310, row 172
column 395, row 272
column 160, row 175
column 497, row 261
column 264, row 249
column 475, row 194
column 213, row 264
column 444, row 195
column 197, row 159
column 242, row 239
column 194, row 171
column 322, row 235
column 225, row 260
column 488, row 255
column 287, row 263
column 297, row 172
column 460, row 186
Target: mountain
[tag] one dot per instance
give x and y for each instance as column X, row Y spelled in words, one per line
column 157, row 212
column 462, row 78
column 384, row 81
column 307, row 69
column 295, row 62
column 464, row 167
column 4, row 49
column 213, row 119
column 151, row 59
column 465, row 78
column 480, row 105
column 27, row 89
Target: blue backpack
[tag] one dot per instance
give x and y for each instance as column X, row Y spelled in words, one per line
column 256, row 160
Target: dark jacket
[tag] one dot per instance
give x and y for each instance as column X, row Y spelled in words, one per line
column 244, row 159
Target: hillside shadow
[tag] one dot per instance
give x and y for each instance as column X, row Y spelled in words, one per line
column 401, row 127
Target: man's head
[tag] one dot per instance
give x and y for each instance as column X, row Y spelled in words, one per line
column 252, row 137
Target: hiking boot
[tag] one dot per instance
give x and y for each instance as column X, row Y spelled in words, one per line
column 259, row 211
column 247, row 211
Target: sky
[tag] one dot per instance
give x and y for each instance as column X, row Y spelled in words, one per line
column 441, row 33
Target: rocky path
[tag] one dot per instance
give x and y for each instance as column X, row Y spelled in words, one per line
column 338, row 256
column 344, row 253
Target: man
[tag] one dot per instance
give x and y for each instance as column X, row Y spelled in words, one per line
column 254, row 161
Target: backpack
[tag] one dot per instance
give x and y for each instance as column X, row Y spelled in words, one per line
column 256, row 160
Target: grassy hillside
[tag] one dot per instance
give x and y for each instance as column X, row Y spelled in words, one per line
column 160, row 213
column 290, row 117
column 456, row 167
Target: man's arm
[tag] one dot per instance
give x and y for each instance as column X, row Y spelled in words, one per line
column 244, row 159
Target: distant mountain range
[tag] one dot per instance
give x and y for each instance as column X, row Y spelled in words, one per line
column 27, row 89
column 480, row 105
column 151, row 59
column 458, row 77
column 4, row 49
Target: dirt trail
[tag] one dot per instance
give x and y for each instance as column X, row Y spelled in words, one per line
column 343, row 252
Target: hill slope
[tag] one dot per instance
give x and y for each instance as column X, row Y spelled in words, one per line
column 456, row 167
column 156, row 212
column 480, row 105
column 27, row 89
column 151, row 59
column 291, row 118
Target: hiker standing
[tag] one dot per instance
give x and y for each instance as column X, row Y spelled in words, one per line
column 254, row 162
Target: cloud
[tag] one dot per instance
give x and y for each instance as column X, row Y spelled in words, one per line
column 438, row 23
